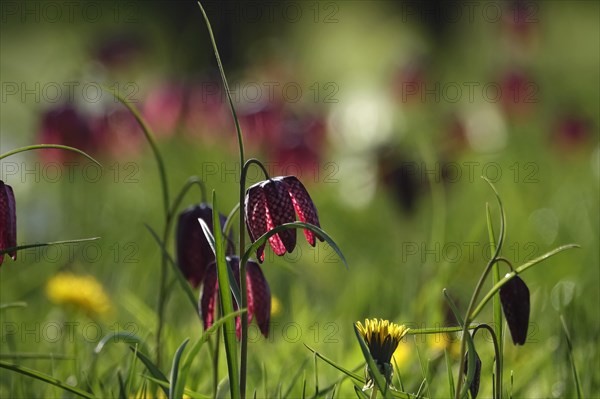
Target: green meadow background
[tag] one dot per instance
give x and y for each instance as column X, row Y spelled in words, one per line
column 352, row 61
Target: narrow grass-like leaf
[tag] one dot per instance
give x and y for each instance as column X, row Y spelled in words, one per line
column 131, row 375
column 154, row 371
column 183, row 283
column 120, row 336
column 13, row 305
column 517, row 271
column 424, row 368
column 230, row 218
column 340, row 368
column 295, row 378
column 37, row 356
column 165, row 385
column 226, row 303
column 122, row 389
column 49, row 146
column 195, row 349
column 359, row 393
column 174, row 392
column 496, row 305
column 438, row 330
column 471, row 352
column 316, row 371
column 45, row 378
column 398, row 375
column 380, row 382
column 45, row 244
column 571, row 358
column 235, row 290
column 449, row 371
column 294, row 225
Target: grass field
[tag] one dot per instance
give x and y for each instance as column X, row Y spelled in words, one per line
column 388, row 114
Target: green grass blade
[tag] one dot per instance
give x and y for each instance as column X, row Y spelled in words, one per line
column 45, row 244
column 195, row 349
column 424, row 370
column 295, row 378
column 230, row 219
column 13, row 305
column 349, row 373
column 127, row 337
column 154, row 371
column 359, row 393
column 183, row 283
column 226, row 304
column 47, row 146
column 380, row 382
column 175, row 390
column 572, row 358
column 45, row 378
column 449, row 370
column 187, row 392
column 294, row 225
column 471, row 352
column 235, row 290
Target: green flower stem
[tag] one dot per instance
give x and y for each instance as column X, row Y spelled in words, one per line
column 47, row 146
column 243, row 286
column 162, row 293
column 468, row 319
column 496, row 306
column 498, row 363
column 373, row 393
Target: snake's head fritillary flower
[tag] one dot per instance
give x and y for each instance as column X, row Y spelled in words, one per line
column 514, row 296
column 382, row 339
column 8, row 220
column 274, row 202
column 474, row 387
column 259, row 295
column 194, row 253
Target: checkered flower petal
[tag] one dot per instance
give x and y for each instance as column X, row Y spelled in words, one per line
column 259, row 295
column 274, row 202
column 304, row 206
column 209, row 296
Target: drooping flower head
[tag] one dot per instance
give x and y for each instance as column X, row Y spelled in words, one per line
column 382, row 339
column 274, row 202
column 8, row 220
column 259, row 295
column 514, row 297
column 194, row 253
column 474, row 387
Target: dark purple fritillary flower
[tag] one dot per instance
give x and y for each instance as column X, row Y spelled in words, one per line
column 8, row 220
column 514, row 296
column 276, row 201
column 259, row 295
column 474, row 387
column 194, row 253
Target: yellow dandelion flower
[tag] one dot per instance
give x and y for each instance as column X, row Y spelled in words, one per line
column 276, row 306
column 382, row 339
column 83, row 292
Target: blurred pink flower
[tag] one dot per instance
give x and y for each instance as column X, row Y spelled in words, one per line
column 163, row 108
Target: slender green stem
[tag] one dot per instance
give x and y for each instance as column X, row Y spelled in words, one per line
column 48, row 146
column 496, row 306
column 194, row 180
column 373, row 393
column 162, row 293
column 498, row 362
column 242, row 282
column 468, row 319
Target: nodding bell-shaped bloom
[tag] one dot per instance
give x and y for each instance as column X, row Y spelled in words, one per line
column 194, row 253
column 514, row 297
column 8, row 220
column 474, row 387
column 259, row 295
column 276, row 201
